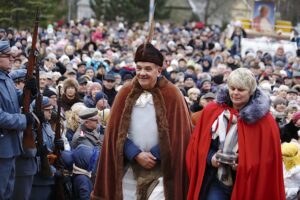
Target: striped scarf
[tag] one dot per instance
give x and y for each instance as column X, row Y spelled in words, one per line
column 225, row 127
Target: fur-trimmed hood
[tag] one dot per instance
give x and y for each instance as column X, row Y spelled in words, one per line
column 257, row 107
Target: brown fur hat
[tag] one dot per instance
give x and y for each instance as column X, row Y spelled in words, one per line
column 70, row 82
column 148, row 53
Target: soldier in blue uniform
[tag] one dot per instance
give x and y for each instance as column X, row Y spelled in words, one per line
column 42, row 187
column 18, row 76
column 25, row 163
column 12, row 123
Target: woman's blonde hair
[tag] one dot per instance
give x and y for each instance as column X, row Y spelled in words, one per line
column 193, row 90
column 72, row 123
column 242, row 78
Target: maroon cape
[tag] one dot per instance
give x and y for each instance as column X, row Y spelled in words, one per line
column 259, row 173
column 174, row 127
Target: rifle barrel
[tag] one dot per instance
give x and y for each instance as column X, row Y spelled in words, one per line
column 28, row 138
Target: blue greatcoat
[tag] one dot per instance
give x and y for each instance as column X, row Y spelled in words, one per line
column 12, row 123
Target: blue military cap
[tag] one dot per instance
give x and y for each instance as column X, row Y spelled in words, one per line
column 18, row 74
column 4, row 47
column 45, row 103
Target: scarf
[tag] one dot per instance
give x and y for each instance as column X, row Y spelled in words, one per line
column 225, row 127
column 80, row 171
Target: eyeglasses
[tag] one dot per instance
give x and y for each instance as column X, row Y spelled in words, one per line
column 7, row 56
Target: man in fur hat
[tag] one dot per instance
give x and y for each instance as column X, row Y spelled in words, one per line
column 146, row 137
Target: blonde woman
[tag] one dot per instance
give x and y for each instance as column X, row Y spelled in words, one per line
column 73, row 120
column 193, row 94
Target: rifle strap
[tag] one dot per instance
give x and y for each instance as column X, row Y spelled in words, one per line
column 38, row 122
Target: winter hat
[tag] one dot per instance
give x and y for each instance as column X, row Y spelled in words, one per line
column 283, row 88
column 64, row 58
column 67, row 159
column 290, row 155
column 296, row 116
column 279, row 63
column 203, row 81
column 279, row 100
column 127, row 76
column 192, row 76
column 109, row 77
column 148, row 53
column 100, row 95
column 292, row 90
column 70, row 82
column 85, row 157
column 89, row 68
column 49, row 93
column 209, row 95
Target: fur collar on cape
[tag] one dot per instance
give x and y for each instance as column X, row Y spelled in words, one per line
column 257, row 107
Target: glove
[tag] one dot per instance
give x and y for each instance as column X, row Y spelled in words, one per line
column 29, row 118
column 59, row 144
column 31, row 85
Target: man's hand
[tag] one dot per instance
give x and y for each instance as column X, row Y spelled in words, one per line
column 146, row 160
column 214, row 162
column 234, row 167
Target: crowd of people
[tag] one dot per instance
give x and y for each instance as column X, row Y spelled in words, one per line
column 116, row 84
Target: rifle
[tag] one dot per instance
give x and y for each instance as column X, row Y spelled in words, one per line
column 45, row 169
column 59, row 180
column 28, row 138
column 58, row 124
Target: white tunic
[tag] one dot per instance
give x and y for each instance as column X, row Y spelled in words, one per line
column 143, row 127
column 143, row 132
